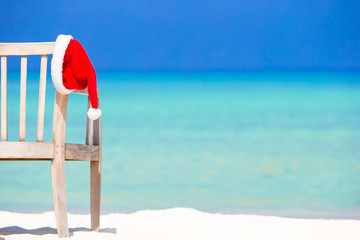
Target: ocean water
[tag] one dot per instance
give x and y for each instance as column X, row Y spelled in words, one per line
column 283, row 143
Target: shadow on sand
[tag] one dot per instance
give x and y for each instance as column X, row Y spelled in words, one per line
column 47, row 230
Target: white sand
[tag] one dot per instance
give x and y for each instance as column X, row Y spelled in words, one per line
column 181, row 223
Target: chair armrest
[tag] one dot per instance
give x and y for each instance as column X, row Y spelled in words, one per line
column 83, row 92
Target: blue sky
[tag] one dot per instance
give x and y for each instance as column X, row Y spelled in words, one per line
column 196, row 34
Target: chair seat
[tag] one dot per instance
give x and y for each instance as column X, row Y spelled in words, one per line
column 20, row 151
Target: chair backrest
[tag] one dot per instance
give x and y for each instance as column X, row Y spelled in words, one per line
column 24, row 49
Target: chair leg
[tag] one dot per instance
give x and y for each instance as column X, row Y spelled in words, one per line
column 95, row 193
column 59, row 192
column 95, row 177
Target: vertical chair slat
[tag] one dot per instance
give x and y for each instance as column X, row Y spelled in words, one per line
column 3, row 98
column 42, row 92
column 23, row 98
column 91, row 137
column 91, row 126
column 87, row 123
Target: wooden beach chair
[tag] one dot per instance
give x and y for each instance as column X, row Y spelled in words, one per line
column 56, row 151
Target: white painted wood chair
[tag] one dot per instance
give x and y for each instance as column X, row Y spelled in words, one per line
column 56, row 151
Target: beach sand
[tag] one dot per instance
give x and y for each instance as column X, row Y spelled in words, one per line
column 178, row 223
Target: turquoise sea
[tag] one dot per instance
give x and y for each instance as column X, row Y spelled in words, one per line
column 282, row 143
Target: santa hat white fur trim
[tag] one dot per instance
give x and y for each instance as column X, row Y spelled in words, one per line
column 93, row 113
column 57, row 61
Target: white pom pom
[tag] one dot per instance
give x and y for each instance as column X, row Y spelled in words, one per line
column 93, row 113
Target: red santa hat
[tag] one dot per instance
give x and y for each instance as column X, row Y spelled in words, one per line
column 71, row 69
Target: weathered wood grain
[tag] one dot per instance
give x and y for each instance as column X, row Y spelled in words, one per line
column 95, row 177
column 17, row 49
column 22, row 121
column 42, row 93
column 58, row 164
column 4, row 98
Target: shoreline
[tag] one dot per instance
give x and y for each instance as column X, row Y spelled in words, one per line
column 351, row 214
